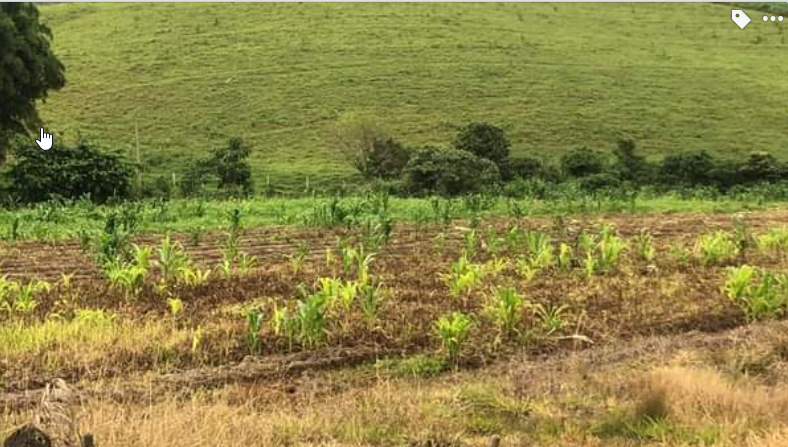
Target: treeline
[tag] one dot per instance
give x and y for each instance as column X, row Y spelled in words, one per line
column 478, row 159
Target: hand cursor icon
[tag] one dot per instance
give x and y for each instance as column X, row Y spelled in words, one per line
column 45, row 142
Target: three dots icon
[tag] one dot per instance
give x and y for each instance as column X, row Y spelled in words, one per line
column 773, row 18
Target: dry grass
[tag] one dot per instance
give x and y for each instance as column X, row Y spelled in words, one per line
column 692, row 394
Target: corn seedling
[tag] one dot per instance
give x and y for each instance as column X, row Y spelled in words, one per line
column 470, row 244
column 225, row 268
column 442, row 210
column 284, row 325
column 255, row 323
column 602, row 256
column 193, row 276
column 565, row 256
column 759, row 295
column 18, row 297
column 369, row 300
column 66, row 281
column 311, row 319
column 172, row 260
column 298, row 258
column 349, row 255
column 717, row 248
column 644, row 247
column 246, row 262
column 376, row 231
column 550, row 317
column 526, row 270
column 363, row 263
column 492, row 242
column 464, row 277
column 506, row 309
column 453, row 330
column 739, row 282
column 175, row 306
column 775, row 240
column 494, row 267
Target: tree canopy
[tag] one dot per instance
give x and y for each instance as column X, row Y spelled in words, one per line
column 28, row 69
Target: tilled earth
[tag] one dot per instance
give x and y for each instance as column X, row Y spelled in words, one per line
column 663, row 298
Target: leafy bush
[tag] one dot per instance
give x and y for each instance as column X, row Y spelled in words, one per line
column 448, row 172
column 629, row 165
column 387, row 159
column 69, row 172
column 526, row 167
column 583, row 162
column 228, row 165
column 485, row 141
column 688, row 169
column 761, row 167
column 598, row 182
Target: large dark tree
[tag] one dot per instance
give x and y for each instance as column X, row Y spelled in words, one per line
column 485, row 140
column 28, row 70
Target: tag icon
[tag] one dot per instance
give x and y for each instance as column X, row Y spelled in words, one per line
column 740, row 18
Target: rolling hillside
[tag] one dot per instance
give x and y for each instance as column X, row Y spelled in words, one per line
column 556, row 76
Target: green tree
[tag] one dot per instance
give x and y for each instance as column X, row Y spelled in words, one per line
column 448, row 172
column 28, row 70
column 228, row 165
column 485, row 141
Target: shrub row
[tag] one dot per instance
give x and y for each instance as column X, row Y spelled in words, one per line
column 477, row 160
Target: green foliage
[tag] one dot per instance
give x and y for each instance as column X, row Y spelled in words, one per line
column 774, row 240
column 228, row 165
column 716, row 248
column 759, row 294
column 129, row 276
column 417, row 366
column 387, row 159
column 113, row 242
column 448, row 172
column 453, row 329
column 83, row 170
column 630, row 165
column 19, row 297
column 688, row 168
column 255, row 323
column 583, row 162
column 565, row 257
column 486, row 141
column 761, row 167
column 172, row 260
column 506, row 309
column 370, row 299
column 526, row 167
column 602, row 256
column 540, row 252
column 310, row 319
column 30, row 70
column 551, row 318
column 644, row 247
column 464, row 277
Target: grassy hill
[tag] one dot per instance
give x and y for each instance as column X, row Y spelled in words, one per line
column 556, row 76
